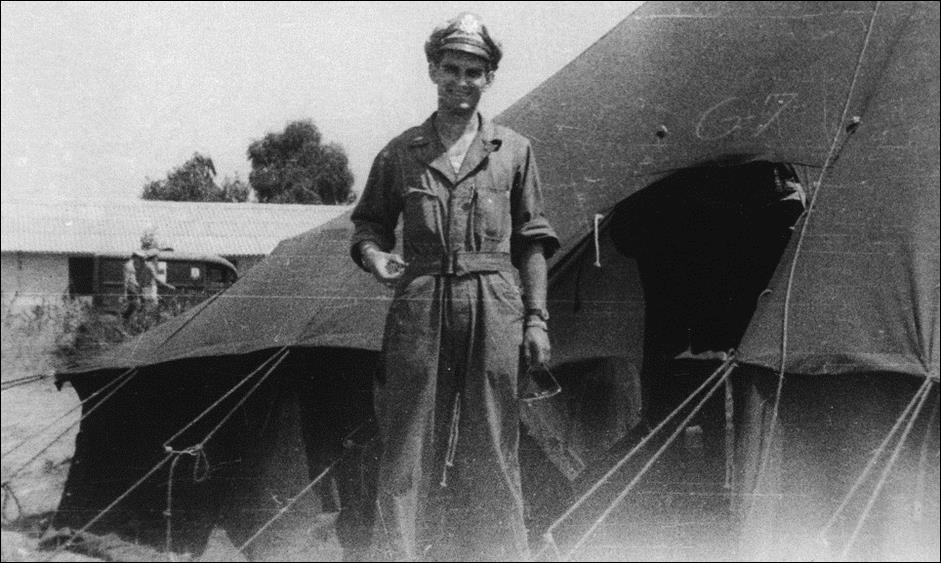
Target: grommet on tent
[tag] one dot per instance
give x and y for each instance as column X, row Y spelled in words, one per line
column 854, row 124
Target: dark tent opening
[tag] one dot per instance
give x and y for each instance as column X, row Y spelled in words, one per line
column 706, row 241
column 649, row 306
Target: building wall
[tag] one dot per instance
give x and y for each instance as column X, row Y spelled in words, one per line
column 36, row 319
column 29, row 279
column 33, row 279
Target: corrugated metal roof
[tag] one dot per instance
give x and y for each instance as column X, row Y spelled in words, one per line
column 104, row 227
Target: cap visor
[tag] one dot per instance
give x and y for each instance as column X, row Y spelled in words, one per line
column 466, row 48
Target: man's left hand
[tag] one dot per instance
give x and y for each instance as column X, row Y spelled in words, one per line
column 536, row 348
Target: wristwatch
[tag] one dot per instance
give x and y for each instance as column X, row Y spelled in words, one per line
column 540, row 312
column 537, row 323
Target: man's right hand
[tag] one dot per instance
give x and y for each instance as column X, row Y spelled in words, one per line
column 386, row 267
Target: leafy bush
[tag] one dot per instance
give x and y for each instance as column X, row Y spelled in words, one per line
column 35, row 332
column 50, row 334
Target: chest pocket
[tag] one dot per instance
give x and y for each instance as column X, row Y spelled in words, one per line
column 421, row 215
column 491, row 216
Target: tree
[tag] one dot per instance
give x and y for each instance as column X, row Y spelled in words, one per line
column 194, row 180
column 296, row 167
column 235, row 189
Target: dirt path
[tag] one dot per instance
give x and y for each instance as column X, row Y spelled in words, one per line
column 35, row 463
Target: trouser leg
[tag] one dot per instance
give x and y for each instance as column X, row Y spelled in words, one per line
column 486, row 514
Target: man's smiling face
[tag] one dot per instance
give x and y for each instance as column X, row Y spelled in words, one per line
column 461, row 79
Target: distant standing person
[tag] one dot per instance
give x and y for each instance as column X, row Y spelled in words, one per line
column 145, row 262
column 132, row 292
column 446, row 404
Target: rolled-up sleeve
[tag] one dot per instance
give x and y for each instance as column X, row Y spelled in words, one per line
column 529, row 219
column 377, row 211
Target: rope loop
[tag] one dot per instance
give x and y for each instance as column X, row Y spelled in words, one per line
column 200, row 462
column 8, row 497
column 201, row 465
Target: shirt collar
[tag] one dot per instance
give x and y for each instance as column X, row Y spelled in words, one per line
column 431, row 151
column 486, row 135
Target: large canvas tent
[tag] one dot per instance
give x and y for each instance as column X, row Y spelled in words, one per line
column 845, row 93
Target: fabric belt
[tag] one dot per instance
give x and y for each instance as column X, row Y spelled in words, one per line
column 459, row 264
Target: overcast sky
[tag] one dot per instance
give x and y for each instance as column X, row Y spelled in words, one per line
column 96, row 97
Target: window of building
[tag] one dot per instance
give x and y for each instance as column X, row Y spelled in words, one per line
column 81, row 275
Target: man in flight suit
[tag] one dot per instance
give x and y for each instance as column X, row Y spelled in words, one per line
column 446, row 403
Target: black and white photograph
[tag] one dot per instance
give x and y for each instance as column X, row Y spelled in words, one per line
column 470, row 281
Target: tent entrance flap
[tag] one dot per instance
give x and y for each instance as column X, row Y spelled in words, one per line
column 706, row 241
